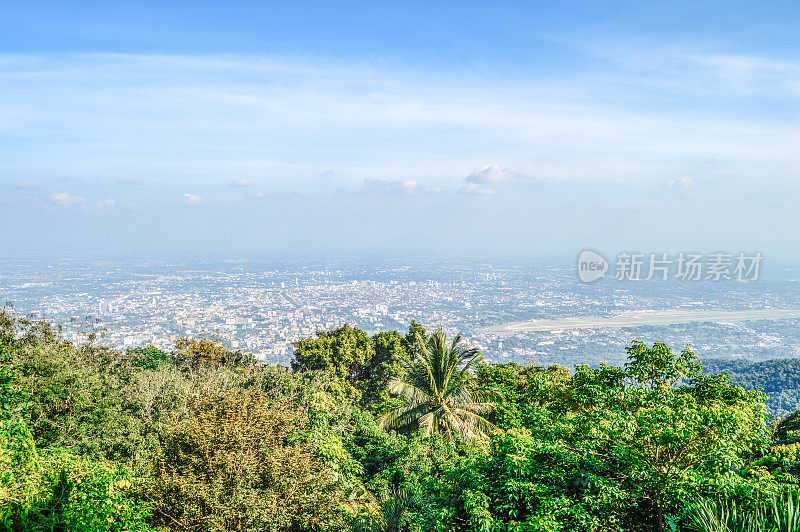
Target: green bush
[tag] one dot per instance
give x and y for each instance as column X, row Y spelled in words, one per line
column 233, row 463
column 79, row 494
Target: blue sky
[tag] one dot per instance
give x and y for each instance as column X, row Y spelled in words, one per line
column 349, row 127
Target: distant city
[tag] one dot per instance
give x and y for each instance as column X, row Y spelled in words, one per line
column 261, row 305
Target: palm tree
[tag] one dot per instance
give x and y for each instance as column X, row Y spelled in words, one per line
column 438, row 391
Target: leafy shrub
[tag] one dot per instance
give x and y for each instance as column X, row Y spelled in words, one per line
column 206, row 352
column 81, row 399
column 235, row 463
column 18, row 458
column 69, row 492
column 149, row 357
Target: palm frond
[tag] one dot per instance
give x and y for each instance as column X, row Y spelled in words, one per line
column 408, row 392
column 479, row 408
column 394, row 509
column 458, row 394
column 479, row 426
column 710, row 516
column 785, row 513
column 389, row 519
column 472, row 360
column 428, row 423
column 487, row 396
column 403, row 417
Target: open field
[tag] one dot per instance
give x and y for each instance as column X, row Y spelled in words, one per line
column 637, row 319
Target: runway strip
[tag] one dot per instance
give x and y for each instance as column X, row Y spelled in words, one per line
column 638, row 319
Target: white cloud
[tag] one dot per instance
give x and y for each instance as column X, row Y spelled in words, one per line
column 477, row 188
column 409, row 187
column 381, row 186
column 28, row 185
column 488, row 179
column 187, row 199
column 282, row 196
column 242, row 183
column 106, row 204
column 680, row 183
column 65, row 199
column 751, row 73
column 493, row 174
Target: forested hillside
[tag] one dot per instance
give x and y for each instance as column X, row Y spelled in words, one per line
column 391, row 432
column 779, row 379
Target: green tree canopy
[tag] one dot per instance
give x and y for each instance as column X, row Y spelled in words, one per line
column 610, row 448
column 350, row 355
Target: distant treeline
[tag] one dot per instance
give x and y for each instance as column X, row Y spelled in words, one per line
column 779, row 379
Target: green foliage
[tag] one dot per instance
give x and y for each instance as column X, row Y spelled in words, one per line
column 524, row 483
column 204, row 352
column 362, row 364
column 439, row 393
column 204, row 438
column 18, row 457
column 780, row 514
column 100, row 412
column 51, row 488
column 782, row 461
column 655, row 445
column 346, row 351
column 779, row 379
column 233, row 463
column 389, row 518
column 412, row 338
column 609, row 448
column 82, row 399
column 18, row 465
column 788, row 430
column 657, row 366
column 390, row 352
column 522, row 388
column 75, row 493
column 149, row 357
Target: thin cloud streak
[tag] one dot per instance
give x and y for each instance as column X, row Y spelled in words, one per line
column 288, row 152
column 205, row 115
